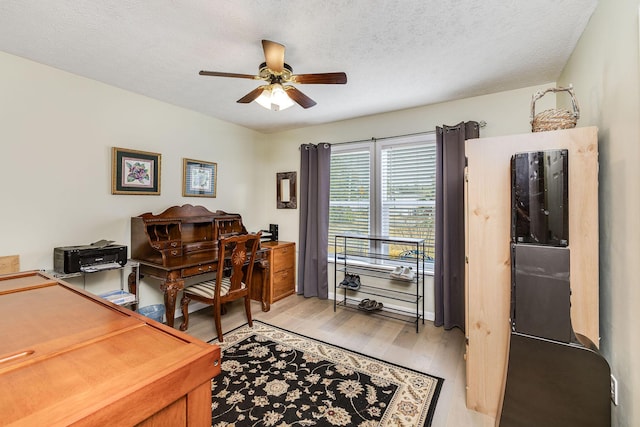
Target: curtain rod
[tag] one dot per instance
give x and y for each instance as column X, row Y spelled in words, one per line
column 481, row 123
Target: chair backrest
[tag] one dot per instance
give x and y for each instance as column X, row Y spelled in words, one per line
column 234, row 254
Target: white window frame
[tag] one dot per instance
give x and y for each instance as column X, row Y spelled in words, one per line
column 375, row 147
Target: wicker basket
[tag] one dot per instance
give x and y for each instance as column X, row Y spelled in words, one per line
column 554, row 119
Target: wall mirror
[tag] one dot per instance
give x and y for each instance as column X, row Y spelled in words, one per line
column 286, row 190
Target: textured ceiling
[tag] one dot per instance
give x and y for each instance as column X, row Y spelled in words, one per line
column 396, row 54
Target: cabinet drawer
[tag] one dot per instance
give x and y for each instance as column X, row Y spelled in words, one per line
column 200, row 246
column 283, row 283
column 166, row 244
column 198, row 269
column 283, row 258
column 171, row 252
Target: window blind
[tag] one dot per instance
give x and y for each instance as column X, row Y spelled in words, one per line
column 349, row 194
column 408, row 192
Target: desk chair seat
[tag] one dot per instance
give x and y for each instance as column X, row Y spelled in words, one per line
column 236, row 260
column 207, row 289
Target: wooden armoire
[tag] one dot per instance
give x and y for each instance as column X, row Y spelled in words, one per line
column 488, row 253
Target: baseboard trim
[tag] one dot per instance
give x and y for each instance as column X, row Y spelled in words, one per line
column 194, row 306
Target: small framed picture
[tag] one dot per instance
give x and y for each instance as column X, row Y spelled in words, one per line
column 135, row 172
column 199, row 178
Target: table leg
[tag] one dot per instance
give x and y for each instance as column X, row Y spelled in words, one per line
column 170, row 289
column 132, row 284
column 266, row 305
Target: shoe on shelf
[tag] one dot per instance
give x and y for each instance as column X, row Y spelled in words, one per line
column 346, row 281
column 354, row 282
column 377, row 307
column 372, row 305
column 364, row 303
column 396, row 272
column 407, row 274
column 351, row 281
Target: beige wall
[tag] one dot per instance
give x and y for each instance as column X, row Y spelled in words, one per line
column 55, row 166
column 604, row 71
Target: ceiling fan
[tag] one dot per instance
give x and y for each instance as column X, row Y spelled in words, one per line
column 276, row 94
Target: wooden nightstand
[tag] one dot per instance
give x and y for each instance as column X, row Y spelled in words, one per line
column 281, row 276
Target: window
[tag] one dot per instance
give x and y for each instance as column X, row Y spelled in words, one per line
column 385, row 188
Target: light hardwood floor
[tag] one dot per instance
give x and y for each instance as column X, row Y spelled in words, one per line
column 432, row 350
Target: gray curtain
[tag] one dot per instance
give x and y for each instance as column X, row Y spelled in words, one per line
column 449, row 262
column 315, row 161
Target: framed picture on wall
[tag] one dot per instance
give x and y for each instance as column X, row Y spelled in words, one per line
column 199, row 178
column 135, row 172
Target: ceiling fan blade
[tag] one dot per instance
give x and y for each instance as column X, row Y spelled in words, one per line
column 274, row 55
column 303, row 100
column 251, row 96
column 321, row 78
column 219, row 74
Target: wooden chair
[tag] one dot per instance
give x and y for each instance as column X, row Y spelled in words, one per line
column 236, row 255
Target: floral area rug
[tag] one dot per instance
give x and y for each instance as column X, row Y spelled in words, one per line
column 274, row 377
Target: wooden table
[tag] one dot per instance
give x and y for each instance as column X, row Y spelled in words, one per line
column 70, row 358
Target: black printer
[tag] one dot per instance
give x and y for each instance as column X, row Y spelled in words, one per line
column 102, row 255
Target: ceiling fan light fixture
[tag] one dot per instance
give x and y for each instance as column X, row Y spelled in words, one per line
column 274, row 97
column 275, row 72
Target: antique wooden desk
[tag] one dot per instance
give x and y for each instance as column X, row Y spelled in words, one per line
column 68, row 358
column 181, row 243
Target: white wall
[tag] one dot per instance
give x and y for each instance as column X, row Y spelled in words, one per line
column 55, row 168
column 604, row 71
